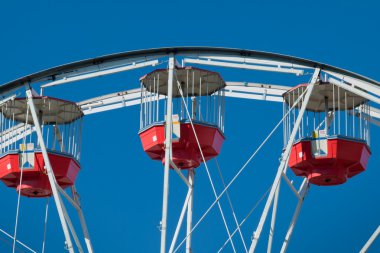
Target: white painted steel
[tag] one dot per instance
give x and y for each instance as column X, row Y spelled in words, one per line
column 72, row 229
column 371, row 240
column 132, row 97
column 75, row 202
column 255, row 91
column 184, row 179
column 206, row 167
column 375, row 112
column 248, row 59
column 58, row 135
column 19, row 195
column 50, row 173
column 235, row 177
column 19, row 242
column 45, row 225
column 7, row 99
column 291, row 186
column 72, row 202
column 112, row 101
column 82, row 220
column 371, row 116
column 15, row 134
column 12, row 130
column 302, row 192
column 168, row 143
column 375, row 122
column 354, row 90
column 366, row 86
column 244, row 66
column 189, row 223
column 231, row 206
column 111, row 98
column 180, row 220
column 121, row 59
column 283, row 164
column 111, row 107
column 213, row 58
column 273, row 220
column 269, row 89
column 253, row 96
column 104, row 66
column 99, row 73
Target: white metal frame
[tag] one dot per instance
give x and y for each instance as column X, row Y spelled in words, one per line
column 168, row 147
column 189, row 226
column 56, row 189
column 49, row 169
column 189, row 181
column 82, row 75
column 245, row 65
column 283, row 165
column 352, row 82
column 111, row 101
column 370, row 240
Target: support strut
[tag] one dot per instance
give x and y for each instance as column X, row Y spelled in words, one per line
column 58, row 202
column 168, row 143
column 283, row 164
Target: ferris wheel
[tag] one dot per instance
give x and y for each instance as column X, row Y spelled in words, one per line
column 326, row 126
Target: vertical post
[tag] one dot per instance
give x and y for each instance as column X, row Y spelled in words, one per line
column 283, row 164
column 168, row 143
column 179, row 224
column 141, row 106
column 339, row 112
column 189, row 226
column 326, row 115
column 193, row 108
column 273, row 221
column 49, row 170
column 82, row 221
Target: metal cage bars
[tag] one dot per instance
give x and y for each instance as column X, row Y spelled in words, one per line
column 339, row 120
column 208, row 109
column 63, row 138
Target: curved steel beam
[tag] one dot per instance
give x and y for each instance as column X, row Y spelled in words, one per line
column 50, row 74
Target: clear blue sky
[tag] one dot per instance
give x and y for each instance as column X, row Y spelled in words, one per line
column 121, row 188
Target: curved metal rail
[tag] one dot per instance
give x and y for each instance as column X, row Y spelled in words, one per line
column 120, row 59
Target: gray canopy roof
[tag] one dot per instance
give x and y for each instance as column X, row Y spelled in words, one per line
column 50, row 110
column 343, row 99
column 193, row 81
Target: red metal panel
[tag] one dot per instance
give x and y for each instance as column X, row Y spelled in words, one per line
column 345, row 159
column 35, row 182
column 185, row 151
column 152, row 138
column 9, row 166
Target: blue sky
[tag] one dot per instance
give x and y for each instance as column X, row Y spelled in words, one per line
column 121, row 188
